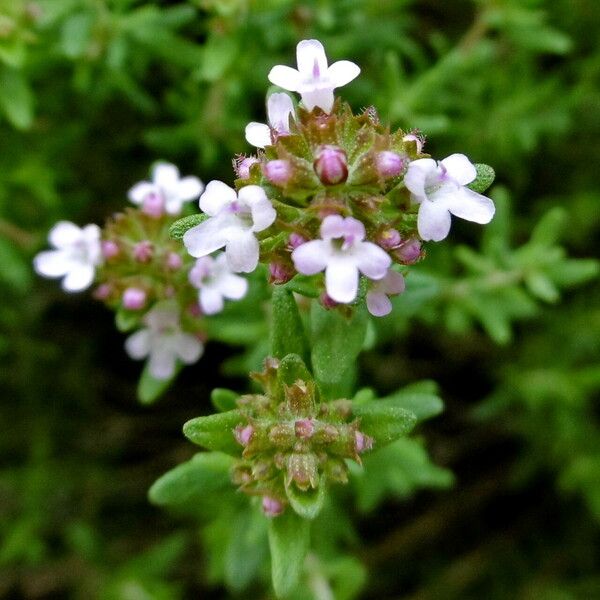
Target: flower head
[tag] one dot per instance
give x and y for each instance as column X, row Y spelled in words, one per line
column 279, row 109
column 314, row 80
column 234, row 219
column 167, row 192
column 214, row 279
column 163, row 342
column 378, row 302
column 77, row 253
column 439, row 188
column 342, row 253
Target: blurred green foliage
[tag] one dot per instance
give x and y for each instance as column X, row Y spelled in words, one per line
column 92, row 91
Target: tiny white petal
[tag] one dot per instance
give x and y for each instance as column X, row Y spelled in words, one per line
column 79, row 278
column 189, row 188
column 138, row 344
column 188, row 348
column 469, row 205
column 321, row 97
column 258, row 134
column 140, row 191
column 52, row 263
column 162, row 362
column 233, row 287
column 216, row 196
column 165, row 175
column 312, row 257
column 242, row 252
column 206, row 237
column 285, row 77
column 392, row 283
column 372, row 261
column 341, row 279
column 416, row 175
column 64, row 234
column 311, row 59
column 342, row 72
column 378, row 304
column 433, row 221
column 279, row 109
column 211, row 300
column 460, row 168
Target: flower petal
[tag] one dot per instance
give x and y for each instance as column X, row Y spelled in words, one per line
column 258, row 134
column 52, row 263
column 165, row 175
column 242, row 252
column 460, row 168
column 469, row 205
column 206, row 237
column 378, row 304
column 162, row 362
column 137, row 345
column 285, row 77
column 189, row 188
column 216, row 196
column 64, row 234
column 79, row 278
column 263, row 213
column 392, row 283
column 342, row 72
column 371, row 260
column 279, row 109
column 233, row 286
column 138, row 193
column 416, row 175
column 341, row 279
column 321, row 97
column 311, row 59
column 433, row 222
column 211, row 300
column 188, row 348
column 311, row 257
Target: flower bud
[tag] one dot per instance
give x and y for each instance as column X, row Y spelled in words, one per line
column 278, row 172
column 418, row 140
column 110, row 249
column 103, row 291
column 409, row 252
column 337, row 470
column 296, row 240
column 143, row 251
column 242, row 164
column 262, row 470
column 153, row 205
column 134, row 298
column 174, row 262
column 282, row 435
column 243, row 434
column 304, row 428
column 362, row 442
column 302, row 469
column 331, row 165
column 271, row 506
column 279, row 273
column 300, row 397
column 389, row 239
column 389, row 164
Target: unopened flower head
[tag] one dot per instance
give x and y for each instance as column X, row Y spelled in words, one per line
column 76, row 255
column 167, row 192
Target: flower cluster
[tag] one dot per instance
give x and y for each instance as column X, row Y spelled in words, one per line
column 332, row 192
column 149, row 280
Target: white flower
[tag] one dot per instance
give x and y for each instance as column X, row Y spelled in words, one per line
column 77, row 254
column 439, row 188
column 314, row 80
column 378, row 302
column 234, row 219
column 166, row 192
column 279, row 109
column 214, row 279
column 163, row 342
column 342, row 253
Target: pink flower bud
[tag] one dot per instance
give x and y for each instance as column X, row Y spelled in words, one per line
column 390, row 164
column 110, row 249
column 271, row 506
column 143, row 251
column 389, row 239
column 304, row 428
column 278, row 172
column 134, row 298
column 153, row 205
column 295, row 240
column 327, row 301
column 103, row 291
column 362, row 442
column 331, row 165
column 409, row 252
column 279, row 273
column 243, row 434
column 411, row 137
column 174, row 261
column 242, row 164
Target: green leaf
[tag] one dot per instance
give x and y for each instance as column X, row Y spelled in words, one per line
column 203, row 474
column 149, row 388
column 336, row 344
column 549, row 228
column 218, row 54
column 215, row 432
column 16, row 98
column 291, row 368
column 76, row 34
column 178, row 229
column 422, row 405
column 484, row 178
column 223, row 399
column 306, row 285
column 287, row 330
column 385, row 423
column 542, row 287
column 307, row 504
column 289, row 538
column 126, row 320
column 14, row 270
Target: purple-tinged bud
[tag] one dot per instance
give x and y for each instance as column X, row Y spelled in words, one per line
column 282, row 435
column 279, row 273
column 303, row 470
column 327, row 301
column 243, row 434
column 409, row 252
column 103, row 291
column 296, row 240
column 110, row 249
column 304, row 428
column 153, row 205
column 390, row 164
column 271, row 506
column 389, row 239
column 362, row 442
column 174, row 262
column 143, row 251
column 241, row 476
column 134, row 298
column 242, row 164
column 278, row 172
column 419, row 141
column 331, row 165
